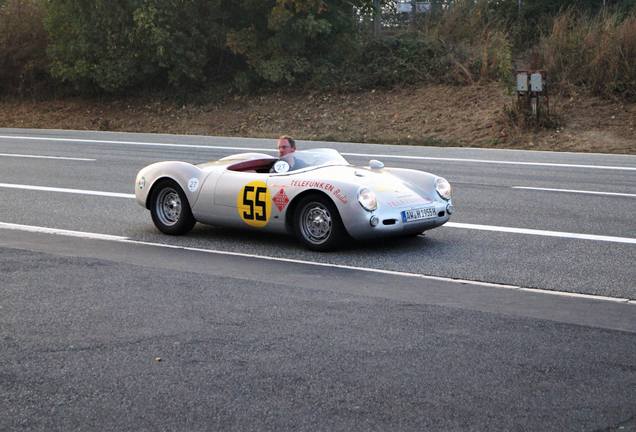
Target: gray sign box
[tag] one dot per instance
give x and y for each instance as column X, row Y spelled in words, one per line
column 522, row 82
column 536, row 82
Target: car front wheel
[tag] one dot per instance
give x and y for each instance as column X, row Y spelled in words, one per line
column 317, row 223
column 170, row 209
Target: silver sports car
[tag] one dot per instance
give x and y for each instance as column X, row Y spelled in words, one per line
column 315, row 194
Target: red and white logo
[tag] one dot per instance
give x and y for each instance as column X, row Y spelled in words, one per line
column 281, row 199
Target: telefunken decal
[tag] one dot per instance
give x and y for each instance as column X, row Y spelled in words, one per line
column 328, row 187
column 402, row 202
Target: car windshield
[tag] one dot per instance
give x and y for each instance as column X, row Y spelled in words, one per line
column 318, row 157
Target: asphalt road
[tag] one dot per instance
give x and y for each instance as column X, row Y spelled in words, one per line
column 251, row 344
column 483, row 194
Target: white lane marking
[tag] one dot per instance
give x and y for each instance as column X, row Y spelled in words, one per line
column 65, row 190
column 121, row 239
column 514, row 230
column 45, row 157
column 137, row 143
column 574, row 191
column 545, row 164
column 386, row 156
column 545, row 233
column 63, row 232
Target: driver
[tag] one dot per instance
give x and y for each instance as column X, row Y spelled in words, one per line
column 286, row 149
column 286, row 145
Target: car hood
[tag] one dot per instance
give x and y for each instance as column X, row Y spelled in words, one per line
column 396, row 187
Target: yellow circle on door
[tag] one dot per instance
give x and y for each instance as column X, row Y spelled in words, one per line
column 254, row 204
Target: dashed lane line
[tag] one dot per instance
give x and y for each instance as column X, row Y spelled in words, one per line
column 513, row 230
column 575, row 191
column 545, row 233
column 27, row 156
column 66, row 190
column 269, row 150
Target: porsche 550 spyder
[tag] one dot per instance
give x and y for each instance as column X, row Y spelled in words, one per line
column 315, row 194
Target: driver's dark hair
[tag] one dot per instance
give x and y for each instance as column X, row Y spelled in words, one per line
column 289, row 139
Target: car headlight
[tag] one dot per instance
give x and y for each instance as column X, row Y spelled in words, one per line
column 443, row 188
column 367, row 199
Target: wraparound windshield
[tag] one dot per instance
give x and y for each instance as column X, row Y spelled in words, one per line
column 316, row 157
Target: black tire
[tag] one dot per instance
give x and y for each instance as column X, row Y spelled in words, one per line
column 317, row 223
column 170, row 209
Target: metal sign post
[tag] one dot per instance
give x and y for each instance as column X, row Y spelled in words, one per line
column 532, row 94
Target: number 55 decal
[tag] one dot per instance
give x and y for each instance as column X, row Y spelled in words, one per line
column 253, row 204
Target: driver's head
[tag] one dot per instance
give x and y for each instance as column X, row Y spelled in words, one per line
column 286, row 145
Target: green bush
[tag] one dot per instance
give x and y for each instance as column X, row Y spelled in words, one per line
column 392, row 61
column 23, row 64
column 297, row 41
column 183, row 40
column 114, row 46
column 91, row 44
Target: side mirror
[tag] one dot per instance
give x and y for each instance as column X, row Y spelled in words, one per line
column 375, row 164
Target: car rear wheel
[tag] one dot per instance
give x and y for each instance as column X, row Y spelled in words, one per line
column 170, row 209
column 317, row 223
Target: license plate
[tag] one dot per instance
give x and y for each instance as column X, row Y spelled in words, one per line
column 418, row 213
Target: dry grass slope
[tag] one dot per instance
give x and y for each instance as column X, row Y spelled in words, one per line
column 427, row 115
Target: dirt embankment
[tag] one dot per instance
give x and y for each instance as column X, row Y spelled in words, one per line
column 429, row 115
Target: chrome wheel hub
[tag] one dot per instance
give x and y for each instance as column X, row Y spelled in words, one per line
column 315, row 223
column 168, row 206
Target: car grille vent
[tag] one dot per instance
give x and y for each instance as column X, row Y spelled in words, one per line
column 389, row 221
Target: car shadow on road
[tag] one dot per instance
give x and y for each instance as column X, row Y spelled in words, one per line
column 263, row 243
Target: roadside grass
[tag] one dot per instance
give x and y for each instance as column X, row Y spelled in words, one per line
column 424, row 141
column 595, row 53
column 433, row 115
